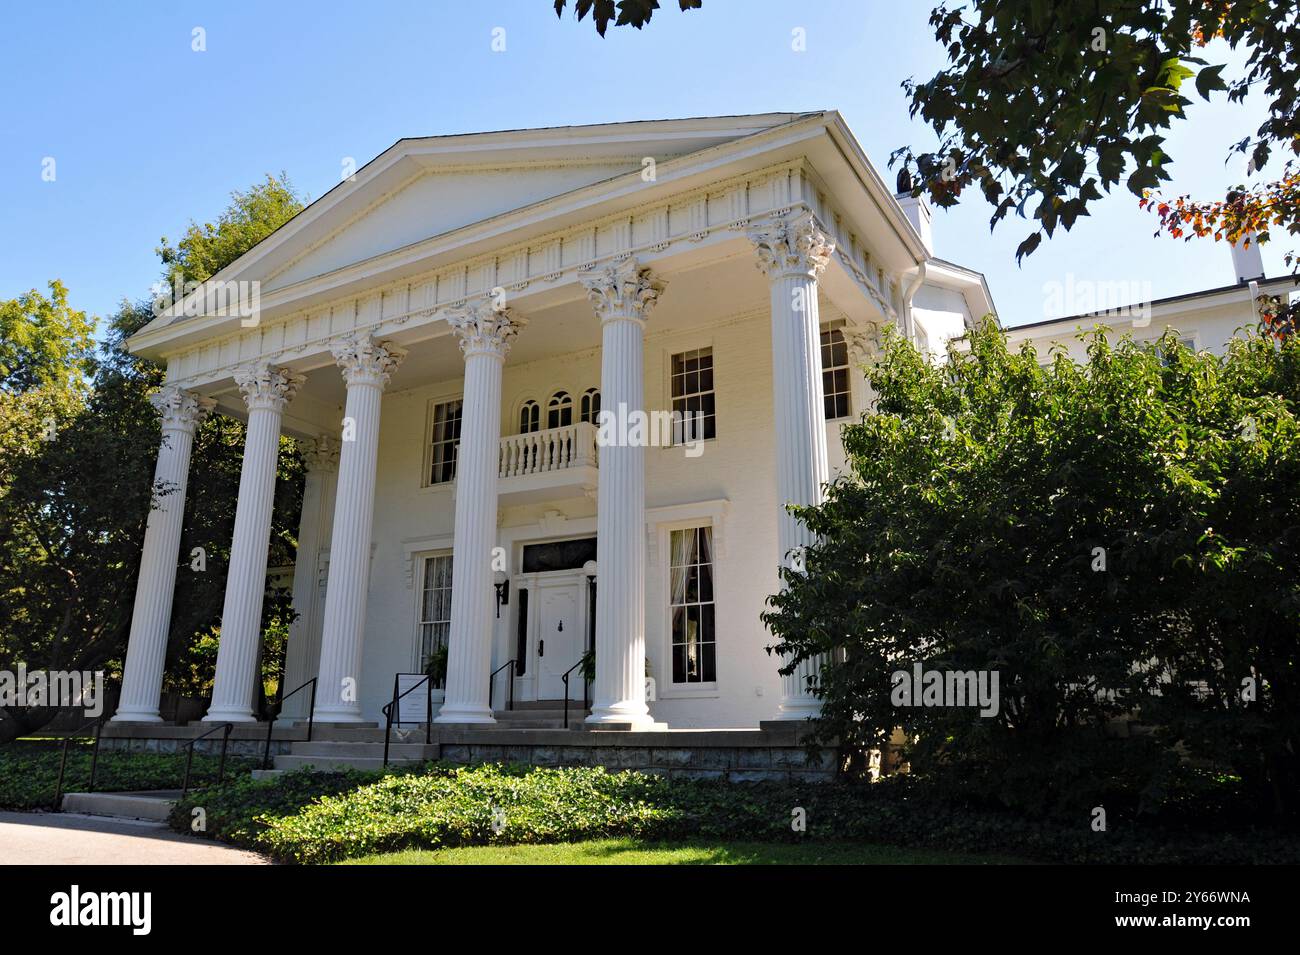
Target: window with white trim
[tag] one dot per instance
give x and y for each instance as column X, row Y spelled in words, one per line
column 694, row 411
column 836, row 390
column 435, row 605
column 690, row 601
column 444, row 440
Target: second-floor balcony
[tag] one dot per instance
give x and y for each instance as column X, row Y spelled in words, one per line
column 550, row 464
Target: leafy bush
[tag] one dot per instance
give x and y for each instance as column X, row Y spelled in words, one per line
column 29, row 771
column 1115, row 539
column 311, row 818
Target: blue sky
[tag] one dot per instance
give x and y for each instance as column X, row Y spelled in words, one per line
column 146, row 133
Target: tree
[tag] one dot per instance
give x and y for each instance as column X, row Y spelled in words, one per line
column 74, row 506
column 46, row 353
column 1045, row 107
column 636, row 13
column 1114, row 539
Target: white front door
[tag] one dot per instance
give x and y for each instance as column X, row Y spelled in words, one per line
column 558, row 640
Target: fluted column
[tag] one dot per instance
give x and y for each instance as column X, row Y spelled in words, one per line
column 266, row 391
column 366, row 365
column 622, row 297
column 793, row 251
column 302, row 655
column 146, row 650
column 485, row 331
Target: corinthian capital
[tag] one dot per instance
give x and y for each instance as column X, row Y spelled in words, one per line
column 266, row 387
column 485, row 328
column 625, row 290
column 365, row 361
column 181, row 410
column 791, row 245
column 321, row 453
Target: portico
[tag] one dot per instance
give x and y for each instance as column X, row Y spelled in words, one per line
column 442, row 363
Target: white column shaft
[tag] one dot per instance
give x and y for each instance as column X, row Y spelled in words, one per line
column 800, row 420
column 156, row 585
column 241, row 615
column 343, row 636
column 302, row 655
column 469, row 655
column 619, row 693
column 792, row 251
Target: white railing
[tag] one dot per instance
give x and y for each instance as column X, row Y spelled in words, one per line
column 544, row 451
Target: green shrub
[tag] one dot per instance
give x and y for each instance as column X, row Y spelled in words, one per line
column 29, row 771
column 1112, row 538
column 312, row 818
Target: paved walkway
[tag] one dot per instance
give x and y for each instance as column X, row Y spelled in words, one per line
column 46, row 838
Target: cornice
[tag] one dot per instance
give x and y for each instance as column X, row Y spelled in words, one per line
column 726, row 207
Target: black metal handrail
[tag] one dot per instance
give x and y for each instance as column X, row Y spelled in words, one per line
column 270, row 723
column 221, row 766
column 510, row 696
column 98, row 724
column 391, row 707
column 586, row 703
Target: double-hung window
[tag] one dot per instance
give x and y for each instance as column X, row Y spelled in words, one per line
column 435, row 605
column 694, row 411
column 835, row 372
column 444, row 441
column 690, row 599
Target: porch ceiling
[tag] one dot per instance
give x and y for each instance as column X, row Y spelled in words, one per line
column 694, row 297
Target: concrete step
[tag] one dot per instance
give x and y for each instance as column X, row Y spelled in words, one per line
column 263, row 774
column 153, row 805
column 342, row 762
column 354, row 734
column 556, row 705
column 331, row 748
column 539, row 718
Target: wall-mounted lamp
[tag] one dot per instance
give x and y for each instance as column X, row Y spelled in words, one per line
column 502, row 584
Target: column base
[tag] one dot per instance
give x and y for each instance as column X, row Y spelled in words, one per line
column 624, row 715
column 799, row 708
column 229, row 715
column 136, row 716
column 453, row 713
column 334, row 714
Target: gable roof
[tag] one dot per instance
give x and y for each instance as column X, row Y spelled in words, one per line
column 555, row 171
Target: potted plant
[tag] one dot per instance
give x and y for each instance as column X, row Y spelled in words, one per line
column 435, row 666
column 588, row 670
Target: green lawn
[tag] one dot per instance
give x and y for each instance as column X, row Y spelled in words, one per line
column 632, row 852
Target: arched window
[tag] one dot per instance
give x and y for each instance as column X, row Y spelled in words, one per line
column 559, row 411
column 589, row 408
column 530, row 417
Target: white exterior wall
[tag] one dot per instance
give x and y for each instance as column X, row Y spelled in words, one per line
column 1210, row 326
column 737, row 468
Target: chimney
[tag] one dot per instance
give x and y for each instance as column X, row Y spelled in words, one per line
column 1247, row 261
column 917, row 210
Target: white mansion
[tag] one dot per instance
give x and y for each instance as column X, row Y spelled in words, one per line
column 440, row 333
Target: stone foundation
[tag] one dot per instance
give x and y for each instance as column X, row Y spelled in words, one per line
column 765, row 755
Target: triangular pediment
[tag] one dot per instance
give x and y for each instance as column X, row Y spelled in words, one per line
column 426, row 188
column 436, row 202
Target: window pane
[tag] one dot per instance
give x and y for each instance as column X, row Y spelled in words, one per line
column 691, row 602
